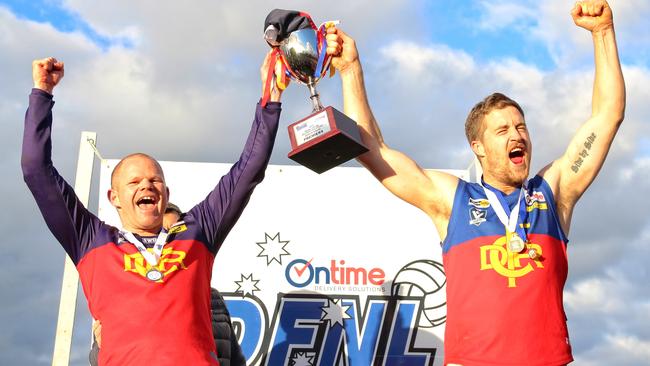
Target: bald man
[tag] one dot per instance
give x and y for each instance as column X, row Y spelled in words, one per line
column 149, row 287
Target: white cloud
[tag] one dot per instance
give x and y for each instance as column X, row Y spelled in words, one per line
column 501, row 14
column 632, row 345
column 629, row 173
column 594, row 296
column 620, row 350
column 426, row 64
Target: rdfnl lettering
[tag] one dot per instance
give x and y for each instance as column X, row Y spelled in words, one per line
column 337, row 273
column 315, row 327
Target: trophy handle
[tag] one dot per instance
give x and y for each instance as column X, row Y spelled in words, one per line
column 315, row 99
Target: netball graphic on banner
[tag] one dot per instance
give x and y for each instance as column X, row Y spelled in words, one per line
column 324, row 269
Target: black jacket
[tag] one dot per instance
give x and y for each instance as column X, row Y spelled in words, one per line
column 229, row 352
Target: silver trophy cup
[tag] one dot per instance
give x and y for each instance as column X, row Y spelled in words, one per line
column 327, row 137
column 300, row 54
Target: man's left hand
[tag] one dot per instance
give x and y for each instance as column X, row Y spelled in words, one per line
column 592, row 15
column 342, row 48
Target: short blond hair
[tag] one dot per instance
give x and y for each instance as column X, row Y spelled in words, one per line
column 474, row 126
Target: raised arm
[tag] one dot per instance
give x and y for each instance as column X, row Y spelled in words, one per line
column 571, row 174
column 219, row 212
column 431, row 191
column 70, row 222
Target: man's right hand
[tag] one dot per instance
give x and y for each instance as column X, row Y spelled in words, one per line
column 47, row 73
column 342, row 48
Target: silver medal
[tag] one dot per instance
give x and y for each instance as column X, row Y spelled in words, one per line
column 515, row 244
column 152, row 259
column 154, row 275
column 511, row 220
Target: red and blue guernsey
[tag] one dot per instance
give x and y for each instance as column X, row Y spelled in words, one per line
column 166, row 322
column 505, row 308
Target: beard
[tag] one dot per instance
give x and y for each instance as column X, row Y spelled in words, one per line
column 506, row 173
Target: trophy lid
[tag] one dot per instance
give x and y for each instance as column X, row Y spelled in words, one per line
column 280, row 23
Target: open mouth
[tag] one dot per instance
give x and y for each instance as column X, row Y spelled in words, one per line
column 146, row 202
column 516, row 155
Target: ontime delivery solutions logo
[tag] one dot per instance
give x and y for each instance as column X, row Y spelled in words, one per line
column 343, row 309
column 335, row 275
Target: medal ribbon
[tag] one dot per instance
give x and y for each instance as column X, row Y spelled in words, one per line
column 322, row 32
column 509, row 219
column 266, row 93
column 151, row 258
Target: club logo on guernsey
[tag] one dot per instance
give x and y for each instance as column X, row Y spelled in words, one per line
column 170, row 261
column 496, row 257
column 536, row 200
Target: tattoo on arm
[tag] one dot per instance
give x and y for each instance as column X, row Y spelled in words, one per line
column 584, row 153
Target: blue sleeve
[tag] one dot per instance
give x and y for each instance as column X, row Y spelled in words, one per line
column 66, row 217
column 218, row 213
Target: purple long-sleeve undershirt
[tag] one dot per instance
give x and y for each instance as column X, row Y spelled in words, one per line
column 75, row 227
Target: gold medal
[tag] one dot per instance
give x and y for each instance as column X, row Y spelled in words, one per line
column 515, row 244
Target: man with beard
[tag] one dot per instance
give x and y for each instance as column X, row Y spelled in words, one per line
column 503, row 239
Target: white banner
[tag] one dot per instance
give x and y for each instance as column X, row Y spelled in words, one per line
column 326, row 269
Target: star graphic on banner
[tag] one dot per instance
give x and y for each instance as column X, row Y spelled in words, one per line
column 334, row 312
column 247, row 285
column 303, row 359
column 273, row 250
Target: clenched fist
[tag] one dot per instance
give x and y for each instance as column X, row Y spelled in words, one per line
column 342, row 48
column 592, row 15
column 47, row 73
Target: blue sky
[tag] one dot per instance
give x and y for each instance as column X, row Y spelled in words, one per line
column 63, row 19
column 135, row 68
column 452, row 23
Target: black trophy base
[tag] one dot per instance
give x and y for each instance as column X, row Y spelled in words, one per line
column 336, row 143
